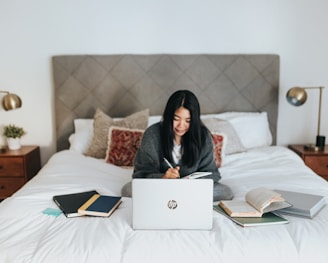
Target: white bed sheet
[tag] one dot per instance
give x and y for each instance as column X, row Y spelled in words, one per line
column 27, row 235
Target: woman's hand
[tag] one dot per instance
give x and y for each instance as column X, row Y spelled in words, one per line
column 172, row 173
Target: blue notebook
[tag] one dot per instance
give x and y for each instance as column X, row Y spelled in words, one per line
column 100, row 205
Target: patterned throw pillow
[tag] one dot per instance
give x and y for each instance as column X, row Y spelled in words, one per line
column 103, row 122
column 219, row 143
column 123, row 144
column 233, row 143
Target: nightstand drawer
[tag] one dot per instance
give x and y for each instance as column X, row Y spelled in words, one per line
column 17, row 167
column 316, row 160
column 8, row 186
column 319, row 164
column 11, row 167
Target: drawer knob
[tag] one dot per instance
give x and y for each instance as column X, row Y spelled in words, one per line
column 1, row 166
column 2, row 187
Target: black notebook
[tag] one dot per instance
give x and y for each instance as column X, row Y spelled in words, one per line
column 70, row 203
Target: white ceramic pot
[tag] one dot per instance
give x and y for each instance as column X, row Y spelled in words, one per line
column 14, row 143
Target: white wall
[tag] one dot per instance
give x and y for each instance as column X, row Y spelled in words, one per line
column 33, row 31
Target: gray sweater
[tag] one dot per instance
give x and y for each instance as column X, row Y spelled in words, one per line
column 149, row 162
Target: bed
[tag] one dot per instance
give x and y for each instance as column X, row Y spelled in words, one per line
column 239, row 93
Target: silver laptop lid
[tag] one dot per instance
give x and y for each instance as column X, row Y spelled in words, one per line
column 172, row 204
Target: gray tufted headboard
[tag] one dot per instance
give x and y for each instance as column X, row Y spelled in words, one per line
column 123, row 84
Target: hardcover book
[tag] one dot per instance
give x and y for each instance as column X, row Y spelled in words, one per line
column 70, row 203
column 306, row 205
column 257, row 202
column 100, row 205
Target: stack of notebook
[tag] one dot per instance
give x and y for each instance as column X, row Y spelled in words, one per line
column 87, row 203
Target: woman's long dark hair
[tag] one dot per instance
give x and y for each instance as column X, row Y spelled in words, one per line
column 192, row 140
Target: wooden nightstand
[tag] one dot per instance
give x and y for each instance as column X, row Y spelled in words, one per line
column 317, row 161
column 17, row 167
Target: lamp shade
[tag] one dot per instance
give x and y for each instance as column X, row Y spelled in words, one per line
column 11, row 101
column 296, row 96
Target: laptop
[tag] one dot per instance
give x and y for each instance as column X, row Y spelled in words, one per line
column 168, row 204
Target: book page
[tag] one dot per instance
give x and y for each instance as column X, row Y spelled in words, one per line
column 261, row 198
column 239, row 208
column 276, row 205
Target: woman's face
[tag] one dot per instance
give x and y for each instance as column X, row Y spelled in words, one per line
column 181, row 123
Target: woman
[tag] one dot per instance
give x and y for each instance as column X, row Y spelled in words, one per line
column 178, row 145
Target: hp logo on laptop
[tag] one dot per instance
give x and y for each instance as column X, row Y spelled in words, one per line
column 172, row 204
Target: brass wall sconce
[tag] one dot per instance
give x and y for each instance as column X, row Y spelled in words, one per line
column 10, row 101
column 297, row 96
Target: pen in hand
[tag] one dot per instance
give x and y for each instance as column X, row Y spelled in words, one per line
column 168, row 163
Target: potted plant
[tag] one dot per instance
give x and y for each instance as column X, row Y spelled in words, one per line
column 13, row 134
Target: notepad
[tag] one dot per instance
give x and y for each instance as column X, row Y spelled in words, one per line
column 196, row 175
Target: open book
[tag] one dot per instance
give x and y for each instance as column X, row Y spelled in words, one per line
column 266, row 219
column 257, row 202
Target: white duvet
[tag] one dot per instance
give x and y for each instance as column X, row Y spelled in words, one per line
column 28, row 235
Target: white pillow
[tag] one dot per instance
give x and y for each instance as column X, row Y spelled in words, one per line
column 81, row 139
column 210, row 116
column 154, row 119
column 252, row 127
